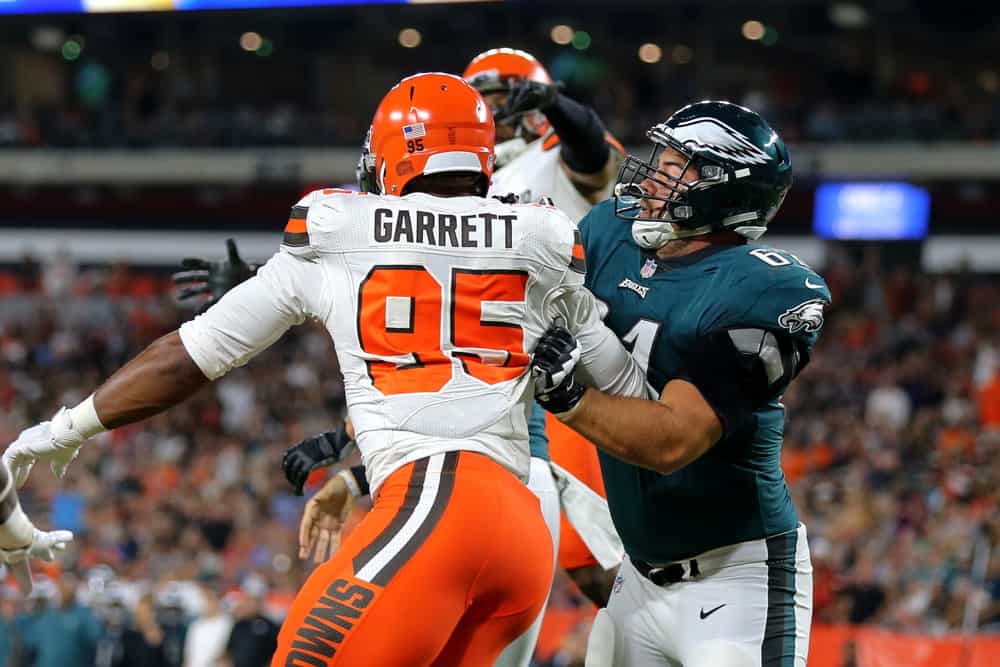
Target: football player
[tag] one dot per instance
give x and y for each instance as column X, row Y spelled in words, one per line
column 717, row 569
column 20, row 541
column 549, row 145
column 552, row 147
column 434, row 296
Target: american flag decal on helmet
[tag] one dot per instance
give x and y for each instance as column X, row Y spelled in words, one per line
column 414, row 131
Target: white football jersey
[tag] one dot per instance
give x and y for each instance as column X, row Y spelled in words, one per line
column 536, row 172
column 434, row 305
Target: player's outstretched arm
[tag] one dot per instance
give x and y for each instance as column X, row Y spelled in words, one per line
column 246, row 321
column 161, row 376
column 20, row 541
column 588, row 157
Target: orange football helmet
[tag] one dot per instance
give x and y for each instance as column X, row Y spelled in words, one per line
column 494, row 71
column 430, row 123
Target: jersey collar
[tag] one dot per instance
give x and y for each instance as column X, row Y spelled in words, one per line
column 671, row 263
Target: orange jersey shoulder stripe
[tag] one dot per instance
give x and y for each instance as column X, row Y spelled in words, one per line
column 296, row 232
column 577, row 260
column 296, row 226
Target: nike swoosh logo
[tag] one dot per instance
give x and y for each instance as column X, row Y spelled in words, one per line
column 705, row 614
column 812, row 286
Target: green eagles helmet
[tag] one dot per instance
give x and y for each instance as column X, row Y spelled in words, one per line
column 743, row 173
column 364, row 171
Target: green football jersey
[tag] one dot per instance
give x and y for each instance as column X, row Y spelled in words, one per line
column 659, row 309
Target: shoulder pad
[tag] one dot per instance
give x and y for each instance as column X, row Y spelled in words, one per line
column 299, row 225
column 770, row 289
column 557, row 237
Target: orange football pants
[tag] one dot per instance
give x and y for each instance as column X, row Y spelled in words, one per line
column 579, row 456
column 452, row 563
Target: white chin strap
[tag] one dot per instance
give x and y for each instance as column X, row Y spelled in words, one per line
column 652, row 235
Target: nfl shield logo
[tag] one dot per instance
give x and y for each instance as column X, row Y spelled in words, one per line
column 648, row 269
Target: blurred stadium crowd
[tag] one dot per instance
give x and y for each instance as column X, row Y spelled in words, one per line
column 123, row 81
column 186, row 532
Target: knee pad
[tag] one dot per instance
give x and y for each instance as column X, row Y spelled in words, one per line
column 601, row 645
column 721, row 653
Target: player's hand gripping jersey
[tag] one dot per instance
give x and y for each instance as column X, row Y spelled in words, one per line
column 434, row 305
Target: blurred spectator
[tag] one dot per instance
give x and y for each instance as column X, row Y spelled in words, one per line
column 65, row 634
column 206, row 639
column 924, row 80
column 894, row 464
column 143, row 643
column 7, row 612
column 255, row 636
column 864, row 596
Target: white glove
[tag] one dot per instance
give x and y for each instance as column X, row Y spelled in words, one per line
column 44, row 546
column 54, row 441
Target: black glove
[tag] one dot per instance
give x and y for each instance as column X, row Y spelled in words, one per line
column 312, row 454
column 201, row 277
column 552, row 364
column 527, row 96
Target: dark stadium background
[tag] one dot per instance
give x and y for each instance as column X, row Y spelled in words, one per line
column 128, row 141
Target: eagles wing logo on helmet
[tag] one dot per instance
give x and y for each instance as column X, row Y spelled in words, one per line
column 713, row 136
column 807, row 316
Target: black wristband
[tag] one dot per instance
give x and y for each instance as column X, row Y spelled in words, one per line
column 581, row 135
column 358, row 472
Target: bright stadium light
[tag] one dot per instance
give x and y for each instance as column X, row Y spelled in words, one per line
column 266, row 48
column 251, row 41
column 581, row 40
column 650, row 53
column 72, row 49
column 753, row 30
column 562, row 34
column 410, row 38
column 848, row 15
column 47, row 38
